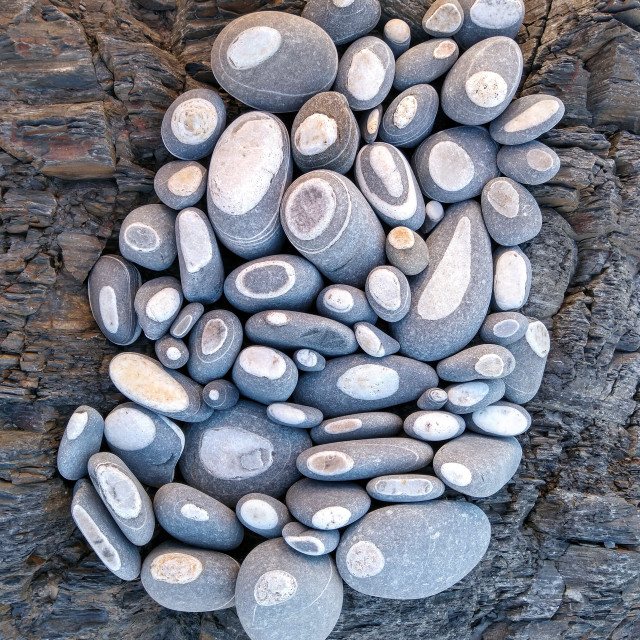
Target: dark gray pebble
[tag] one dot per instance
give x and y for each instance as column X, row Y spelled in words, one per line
column 157, row 304
column 309, row 541
column 432, row 399
column 529, row 163
column 357, row 426
column 388, row 292
column 504, row 327
column 171, row 352
column 345, row 304
column 425, row 62
column 343, row 20
column 82, row 438
column 186, row 319
column 370, row 123
column 221, row 394
column 482, row 362
column 180, row 184
column 309, row 360
column 407, row 251
column 466, row 397
column 263, row 514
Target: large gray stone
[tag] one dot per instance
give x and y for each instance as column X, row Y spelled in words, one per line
column 357, row 426
column 343, row 20
column 487, row 18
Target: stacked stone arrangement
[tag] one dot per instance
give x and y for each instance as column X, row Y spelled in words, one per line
column 341, row 360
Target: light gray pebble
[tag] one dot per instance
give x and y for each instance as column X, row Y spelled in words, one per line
column 504, row 328
column 309, row 360
column 443, row 18
column 374, row 341
column 290, row 414
column 221, row 394
column 370, row 123
column 186, row 319
column 432, row 399
column 82, row 438
column 433, row 426
column 435, row 213
column 466, row 397
column 511, row 279
column 180, row 184
column 499, row 419
column 529, row 163
column 482, row 362
column 343, row 20
column 388, row 292
column 345, row 304
column 357, row 426
column 309, row 541
column 157, row 304
column 486, row 18
column 407, row 487
column 425, row 62
column 263, row 514
column 407, row 251
column 397, row 35
column 171, row 352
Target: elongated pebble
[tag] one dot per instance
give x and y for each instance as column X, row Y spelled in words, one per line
column 82, row 438
column 407, row 487
column 511, row 279
column 357, row 426
column 309, row 360
column 425, row 62
column 290, row 414
column 487, row 18
column 180, row 184
column 397, row 34
column 466, row 397
column 443, row 18
column 374, row 341
column 407, row 251
column 482, row 362
column 388, row 292
column 186, row 319
column 157, row 304
column 370, row 123
column 529, row 163
column 263, row 514
column 345, row 304
column 504, row 327
column 432, row 399
column 171, row 352
column 499, row 419
column 343, row 20
column 433, row 426
column 310, row 541
column 221, row 394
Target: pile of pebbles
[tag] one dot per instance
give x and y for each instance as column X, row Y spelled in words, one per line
column 340, row 347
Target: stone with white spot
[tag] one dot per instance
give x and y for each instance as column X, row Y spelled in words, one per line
column 467, row 397
column 263, row 514
column 180, row 184
column 511, row 279
column 504, row 328
column 273, row 61
column 331, row 224
column 407, row 251
column 405, row 487
column 310, row 541
column 499, row 419
column 481, row 362
column 171, row 352
column 290, row 414
column 186, row 578
column 477, row 466
column 82, row 438
column 435, row 213
column 309, row 360
column 481, row 84
column 374, row 341
column 425, row 62
column 442, row 541
column 282, row 594
column 386, row 180
column 397, row 34
column 221, row 394
column 450, row 299
column 389, row 293
column 193, row 123
column 239, row 451
column 157, row 304
column 193, row 517
column 345, row 304
column 357, row 426
column 488, row 18
column 432, row 399
column 443, row 19
column 186, row 319
column 370, row 122
column 357, row 383
column 433, row 426
column 123, row 495
column 529, row 163
column 343, row 20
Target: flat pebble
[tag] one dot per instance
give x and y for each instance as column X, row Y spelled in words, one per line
column 504, row 327
column 157, row 304
column 466, row 397
column 171, row 352
column 482, row 362
column 433, row 426
column 529, row 163
column 407, row 251
column 82, row 438
column 309, row 360
column 374, row 341
column 397, row 35
column 186, row 319
column 221, row 394
column 263, row 514
column 357, row 426
column 343, row 20
column 487, row 18
column 432, row 399
column 310, row 541
column 425, row 62
column 511, row 279
column 443, row 18
column 370, row 123
column 388, row 292
column 345, row 304
column 290, row 414
column 180, row 184
column 499, row 419
column 406, row 487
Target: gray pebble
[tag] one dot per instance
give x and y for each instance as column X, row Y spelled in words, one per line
column 407, row 251
column 180, row 184
column 157, row 304
column 189, row 315
column 370, row 123
column 290, row 414
column 486, row 18
column 345, row 304
column 397, row 35
column 374, row 341
column 435, row 213
column 499, row 419
column 407, row 487
column 263, row 514
column 511, row 279
column 221, row 394
column 443, row 18
column 504, row 327
column 357, row 426
column 171, row 352
column 467, row 397
column 343, row 20
column 309, row 541
column 432, row 399
column 433, row 426
column 482, row 362
column 82, row 438
column 425, row 62
column 388, row 292
column 529, row 163
column 309, row 360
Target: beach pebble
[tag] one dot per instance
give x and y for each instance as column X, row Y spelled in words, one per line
column 435, row 213
column 357, row 426
column 425, row 62
column 511, row 279
column 482, row 362
column 309, row 360
column 157, row 304
column 265, row 375
column 99, row 529
column 263, row 514
column 503, row 328
column 345, row 304
column 407, row 251
column 432, row 399
column 250, row 169
column 455, row 164
column 221, row 394
column 449, row 300
column 82, row 438
column 528, row 163
column 360, row 459
column 327, row 505
column 325, row 134
column 407, row 487
column 273, row 282
column 387, row 182
column 171, row 352
column 433, row 426
column 482, row 82
column 397, row 35
column 466, row 397
column 442, row 541
column 511, row 214
column 193, row 517
column 285, row 595
column 113, row 284
column 185, row 578
column 443, row 18
column 123, row 495
column 343, row 20
column 487, row 18
column 186, row 319
column 180, row 184
column 193, row 123
column 370, row 123
column 499, row 419
column 365, row 73
column 388, row 292
column 290, row 414
column 214, row 345
column 359, row 382
column 476, row 465
column 273, row 61
column 374, row 341
column 239, row 451
column 310, row 541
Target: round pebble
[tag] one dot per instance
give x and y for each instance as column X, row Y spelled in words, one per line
column 263, row 514
column 511, row 279
column 499, row 419
column 157, row 304
column 467, row 397
column 482, row 362
column 309, row 360
column 433, row 426
column 432, row 399
column 504, row 328
column 171, row 352
column 180, row 184
column 528, row 163
column 221, row 394
column 345, row 304
column 289, row 414
column 487, row 18
column 425, row 62
column 397, row 35
column 407, row 251
column 443, row 18
column 388, row 292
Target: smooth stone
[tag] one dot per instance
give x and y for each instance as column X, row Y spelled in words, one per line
column 285, row 595
column 185, row 578
column 157, row 304
column 356, row 383
column 433, row 426
column 193, row 517
column 397, row 35
column 406, row 487
column 466, row 397
column 449, row 300
column 82, row 438
column 443, row 19
column 409, row 118
column 201, row 268
column 487, row 18
column 527, row 118
column 263, row 514
column 365, row 73
column 113, row 284
column 345, row 304
column 388, row 293
column 325, row 134
column 250, row 169
column 504, row 328
column 273, row 282
column 146, row 382
column 531, row 353
column 221, row 394
column 171, row 352
column 310, row 541
column 373, row 341
column 297, row 330
column 101, row 532
column 239, row 451
column 273, row 61
column 361, row 459
column 387, row 182
column 442, row 541
column 407, row 251
column 123, row 496
column 343, row 20
column 186, row 319
column 214, row 345
column 327, row 505
column 432, row 399
column 290, row 414
column 482, row 82
column 499, row 419
column 476, row 465
column 370, row 123
column 482, row 362
column 529, row 163
column 357, row 426
column 193, row 123
column 425, row 62
column 265, row 375
column 148, row 443
column 511, row 279
column 511, row 214
column 331, row 224
column 454, row 165
column 180, row 184
column 309, row 360
column 435, row 213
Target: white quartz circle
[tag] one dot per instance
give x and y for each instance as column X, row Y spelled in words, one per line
column 193, row 121
column 504, row 198
column 259, row 514
column 369, row 341
column 510, row 281
column 274, row 587
column 364, row 559
column 118, row 491
column 310, row 209
column 262, row 362
column 397, row 31
column 253, row 46
column 339, row 300
column 385, row 289
column 445, row 19
column 413, row 487
column 444, row 50
column 163, row 306
column 214, row 336
column 195, row 241
column 330, row 463
column 450, row 166
column 486, row 89
column 129, row 429
column 331, row 518
column 468, row 393
column 141, row 237
column 369, row 382
column 405, row 112
column 365, row 75
column 496, row 14
column 455, row 473
column 316, row 134
column 539, row 159
column 173, row 353
column 385, row 167
column 185, row 181
column 194, row 512
column 345, row 425
column 489, row 365
column 176, row 568
column 501, row 420
column 307, row 358
column 284, row 286
column 505, row 328
column 286, row 413
column 277, row 318
column 434, row 426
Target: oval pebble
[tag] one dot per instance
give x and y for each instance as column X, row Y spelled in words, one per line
column 487, row 18
column 180, row 184
column 172, row 353
column 388, row 292
column 482, row 362
column 343, row 20
column 443, row 18
column 511, row 279
column 503, row 328
column 435, row 213
column 345, row 304
column 466, row 397
column 425, row 62
column 373, row 341
column 82, row 438
column 432, row 399
column 157, row 303
column 407, row 487
column 499, row 419
column 186, row 319
column 309, row 541
column 529, row 163
column 221, row 394
column 397, row 35
column 263, row 514
column 433, row 426
column 309, row 360
column 357, row 426
column 407, row 251
column 289, row 414
column 370, row 123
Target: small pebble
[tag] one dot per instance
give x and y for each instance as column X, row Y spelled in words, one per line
column 397, row 35
column 504, row 328
column 171, row 352
column 467, row 397
column 82, row 438
column 357, row 426
column 309, row 360
column 433, row 426
column 407, row 251
column 499, row 419
column 370, row 123
column 186, row 319
column 263, row 514
column 374, row 341
column 407, row 487
column 486, row 18
column 309, row 541
column 443, row 18
column 528, row 163
column 482, row 362
column 432, row 399
column 425, row 62
column 343, row 20
column 345, row 304
column 221, row 394
column 290, row 414
column 180, row 184
column 435, row 213
column 157, row 303
column 388, row 292
column 511, row 279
